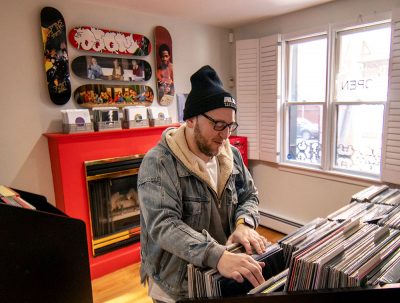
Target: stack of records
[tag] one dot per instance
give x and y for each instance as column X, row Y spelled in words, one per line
column 387, row 272
column 135, row 116
column 366, row 212
column 306, row 236
column 392, row 220
column 274, row 283
column 159, row 116
column 76, row 120
column 390, row 196
column 373, row 204
column 349, row 255
column 106, row 118
column 357, row 245
column 369, row 193
column 206, row 282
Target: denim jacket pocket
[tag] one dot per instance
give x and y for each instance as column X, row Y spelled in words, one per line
column 193, row 207
column 172, row 271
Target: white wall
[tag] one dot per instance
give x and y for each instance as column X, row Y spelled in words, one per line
column 27, row 109
column 295, row 195
column 338, row 11
column 299, row 196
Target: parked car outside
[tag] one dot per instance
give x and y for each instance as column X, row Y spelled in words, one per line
column 306, row 129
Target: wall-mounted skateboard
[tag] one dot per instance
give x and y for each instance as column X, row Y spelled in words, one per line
column 105, row 41
column 54, row 39
column 94, row 95
column 165, row 73
column 107, row 68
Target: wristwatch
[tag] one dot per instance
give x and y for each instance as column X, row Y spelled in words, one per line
column 245, row 221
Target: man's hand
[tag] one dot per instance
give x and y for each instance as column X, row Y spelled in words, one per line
column 249, row 238
column 240, row 266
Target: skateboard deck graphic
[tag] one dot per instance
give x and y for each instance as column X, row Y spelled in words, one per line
column 105, row 41
column 104, row 68
column 165, row 74
column 94, row 95
column 55, row 55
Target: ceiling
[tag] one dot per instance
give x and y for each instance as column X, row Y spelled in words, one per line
column 221, row 13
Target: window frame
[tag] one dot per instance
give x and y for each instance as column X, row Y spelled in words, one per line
column 286, row 40
column 330, row 106
column 334, row 103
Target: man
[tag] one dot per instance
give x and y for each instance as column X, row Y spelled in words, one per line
column 196, row 196
column 165, row 72
column 137, row 71
column 94, row 70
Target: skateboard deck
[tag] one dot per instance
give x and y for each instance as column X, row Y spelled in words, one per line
column 102, row 68
column 165, row 74
column 95, row 95
column 105, row 41
column 55, row 55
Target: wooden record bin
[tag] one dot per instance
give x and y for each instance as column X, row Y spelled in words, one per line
column 44, row 255
column 389, row 293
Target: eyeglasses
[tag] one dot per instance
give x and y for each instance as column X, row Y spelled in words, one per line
column 221, row 125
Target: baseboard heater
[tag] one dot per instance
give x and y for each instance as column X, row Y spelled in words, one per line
column 278, row 223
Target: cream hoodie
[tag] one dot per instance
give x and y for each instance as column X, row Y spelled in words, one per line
column 176, row 141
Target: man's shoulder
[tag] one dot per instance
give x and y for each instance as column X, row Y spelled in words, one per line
column 235, row 152
column 156, row 162
column 237, row 156
column 156, row 152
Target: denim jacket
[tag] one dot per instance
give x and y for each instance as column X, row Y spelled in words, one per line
column 175, row 201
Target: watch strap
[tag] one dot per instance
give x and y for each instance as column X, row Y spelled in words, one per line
column 246, row 221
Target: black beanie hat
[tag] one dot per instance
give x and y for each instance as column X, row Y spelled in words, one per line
column 207, row 94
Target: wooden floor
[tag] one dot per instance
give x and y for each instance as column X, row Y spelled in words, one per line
column 123, row 286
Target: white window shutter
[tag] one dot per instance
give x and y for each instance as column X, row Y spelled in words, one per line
column 247, row 93
column 269, row 97
column 390, row 166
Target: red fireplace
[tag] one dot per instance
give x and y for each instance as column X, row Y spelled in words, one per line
column 68, row 155
column 114, row 205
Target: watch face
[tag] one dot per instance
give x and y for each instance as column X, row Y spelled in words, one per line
column 246, row 221
column 249, row 222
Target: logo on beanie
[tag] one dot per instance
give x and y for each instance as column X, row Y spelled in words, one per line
column 229, row 102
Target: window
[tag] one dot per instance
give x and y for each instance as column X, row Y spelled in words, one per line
column 361, row 81
column 333, row 109
column 306, row 86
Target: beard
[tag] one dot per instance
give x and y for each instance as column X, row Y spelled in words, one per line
column 202, row 144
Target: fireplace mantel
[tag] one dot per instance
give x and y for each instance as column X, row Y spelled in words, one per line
column 67, row 155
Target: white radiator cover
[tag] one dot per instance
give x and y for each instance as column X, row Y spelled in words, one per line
column 278, row 223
